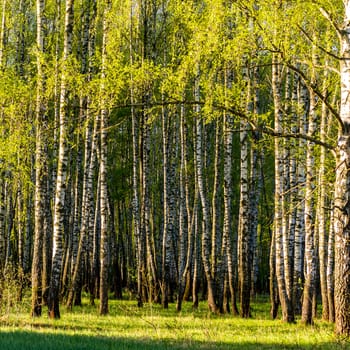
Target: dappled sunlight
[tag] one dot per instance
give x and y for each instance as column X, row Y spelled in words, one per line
column 151, row 327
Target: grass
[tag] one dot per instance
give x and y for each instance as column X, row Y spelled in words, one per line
column 151, row 327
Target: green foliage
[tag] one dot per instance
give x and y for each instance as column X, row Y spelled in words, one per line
column 12, row 285
column 16, row 130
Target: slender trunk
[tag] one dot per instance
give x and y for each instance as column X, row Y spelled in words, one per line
column 94, row 244
column 298, row 275
column 310, row 258
column 59, row 208
column 244, row 227
column 215, row 229
column 104, row 252
column 206, row 243
column 183, row 218
column 166, row 223
column 82, row 179
column 322, row 213
column 139, row 242
column 274, row 298
column 287, row 234
column 196, row 259
column 227, row 227
column 40, row 172
column 330, row 270
column 287, row 310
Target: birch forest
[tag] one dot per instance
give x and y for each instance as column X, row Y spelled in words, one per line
column 177, row 150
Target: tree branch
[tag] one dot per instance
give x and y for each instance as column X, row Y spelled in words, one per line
column 328, row 17
column 239, row 113
column 312, row 87
column 318, row 46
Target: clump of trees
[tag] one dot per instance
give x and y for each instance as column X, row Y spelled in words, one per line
column 177, row 148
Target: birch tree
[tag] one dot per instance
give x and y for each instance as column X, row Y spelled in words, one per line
column 62, row 163
column 310, row 278
column 342, row 188
column 103, row 175
column 40, row 169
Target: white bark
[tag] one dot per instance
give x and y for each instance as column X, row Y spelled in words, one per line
column 342, row 189
column 310, row 246
column 58, row 224
column 104, row 251
column 287, row 310
column 40, row 170
column 206, row 242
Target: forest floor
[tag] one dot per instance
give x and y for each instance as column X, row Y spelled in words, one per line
column 152, row 328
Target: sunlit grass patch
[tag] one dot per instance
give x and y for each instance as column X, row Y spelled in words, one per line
column 151, row 327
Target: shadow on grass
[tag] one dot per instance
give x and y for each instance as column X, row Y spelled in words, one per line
column 13, row 340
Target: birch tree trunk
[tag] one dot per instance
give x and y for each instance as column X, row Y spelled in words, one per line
column 139, row 242
column 298, row 275
column 40, row 170
column 216, row 236
column 89, row 159
column 227, row 226
column 310, row 276
column 104, row 258
column 244, row 226
column 285, row 150
column 148, row 17
column 167, row 232
column 342, row 189
column 59, row 208
column 206, row 242
column 185, row 239
column 321, row 210
column 287, row 310
column 330, row 270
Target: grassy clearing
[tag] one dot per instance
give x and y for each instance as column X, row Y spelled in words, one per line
column 127, row 327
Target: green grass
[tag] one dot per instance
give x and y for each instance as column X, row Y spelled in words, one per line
column 128, row 327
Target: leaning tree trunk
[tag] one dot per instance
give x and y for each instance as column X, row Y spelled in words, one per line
column 62, row 163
